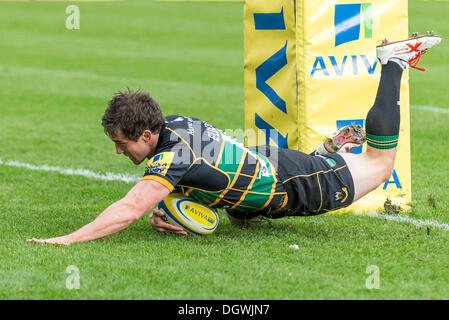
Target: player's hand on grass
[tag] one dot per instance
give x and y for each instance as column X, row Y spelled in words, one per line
column 158, row 222
column 64, row 240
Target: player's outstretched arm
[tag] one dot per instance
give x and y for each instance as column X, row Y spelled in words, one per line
column 139, row 200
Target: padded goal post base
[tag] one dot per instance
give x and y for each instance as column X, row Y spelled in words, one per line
column 311, row 67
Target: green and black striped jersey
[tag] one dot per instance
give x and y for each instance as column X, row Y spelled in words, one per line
column 209, row 166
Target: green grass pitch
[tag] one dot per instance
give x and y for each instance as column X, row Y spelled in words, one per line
column 54, row 85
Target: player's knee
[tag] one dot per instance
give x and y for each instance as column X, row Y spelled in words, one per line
column 245, row 222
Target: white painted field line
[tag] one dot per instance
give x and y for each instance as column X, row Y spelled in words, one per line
column 405, row 219
column 108, row 176
column 71, row 74
column 430, row 108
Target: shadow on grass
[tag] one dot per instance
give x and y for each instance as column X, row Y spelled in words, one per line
column 319, row 227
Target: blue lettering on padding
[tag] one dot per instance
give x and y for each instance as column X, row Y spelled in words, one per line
column 266, row 70
column 338, row 69
column 368, row 66
column 395, row 181
column 355, row 68
column 319, row 61
column 269, row 21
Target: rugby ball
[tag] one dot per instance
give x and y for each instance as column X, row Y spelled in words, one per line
column 192, row 216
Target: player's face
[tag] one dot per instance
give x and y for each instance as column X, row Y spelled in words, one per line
column 136, row 151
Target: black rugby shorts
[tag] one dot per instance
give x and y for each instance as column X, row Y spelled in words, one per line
column 314, row 184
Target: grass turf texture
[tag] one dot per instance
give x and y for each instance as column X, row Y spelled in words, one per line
column 54, row 85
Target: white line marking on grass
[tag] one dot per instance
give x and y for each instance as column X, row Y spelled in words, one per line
column 406, row 219
column 108, row 176
column 430, row 108
column 71, row 74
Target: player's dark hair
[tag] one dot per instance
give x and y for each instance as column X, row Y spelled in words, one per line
column 132, row 112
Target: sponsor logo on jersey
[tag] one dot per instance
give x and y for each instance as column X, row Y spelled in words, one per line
column 160, row 163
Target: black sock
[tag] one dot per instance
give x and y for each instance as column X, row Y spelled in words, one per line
column 383, row 119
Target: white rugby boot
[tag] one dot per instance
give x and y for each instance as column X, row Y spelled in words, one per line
column 344, row 140
column 408, row 51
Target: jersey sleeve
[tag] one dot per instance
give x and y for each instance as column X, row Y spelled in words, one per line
column 169, row 166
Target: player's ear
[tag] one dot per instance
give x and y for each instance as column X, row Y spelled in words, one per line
column 146, row 135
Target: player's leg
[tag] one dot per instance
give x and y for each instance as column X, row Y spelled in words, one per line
column 375, row 166
column 370, row 169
